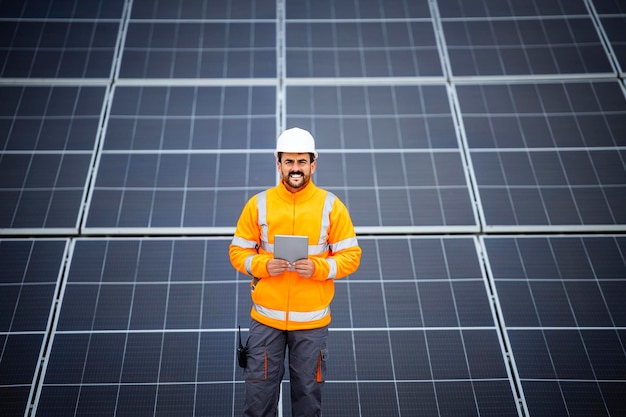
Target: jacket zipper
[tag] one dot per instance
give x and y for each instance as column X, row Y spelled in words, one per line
column 293, row 231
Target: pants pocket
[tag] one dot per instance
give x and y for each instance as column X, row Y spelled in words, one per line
column 321, row 365
column 257, row 364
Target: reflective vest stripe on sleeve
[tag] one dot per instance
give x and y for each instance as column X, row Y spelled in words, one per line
column 261, row 206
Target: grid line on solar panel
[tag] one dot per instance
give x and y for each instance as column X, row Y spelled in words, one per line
column 42, row 190
column 73, row 9
column 404, row 117
column 160, row 189
column 547, row 154
column 361, row 49
column 558, row 297
column 43, row 118
column 158, row 49
column 30, row 270
column 102, row 270
column 551, row 188
column 146, row 9
column 585, row 133
column 154, row 360
column 176, row 117
column 58, row 49
column 375, row 9
column 29, row 283
column 495, row 8
column 541, row 46
column 577, row 277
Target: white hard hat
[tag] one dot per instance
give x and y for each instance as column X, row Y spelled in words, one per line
column 295, row 140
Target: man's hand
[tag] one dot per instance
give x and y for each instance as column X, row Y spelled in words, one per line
column 304, row 267
column 277, row 266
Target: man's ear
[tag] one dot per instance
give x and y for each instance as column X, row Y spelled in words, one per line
column 313, row 166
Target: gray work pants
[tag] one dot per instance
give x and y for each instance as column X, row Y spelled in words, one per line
column 266, row 367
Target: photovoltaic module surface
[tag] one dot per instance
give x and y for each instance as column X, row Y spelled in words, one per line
column 478, row 145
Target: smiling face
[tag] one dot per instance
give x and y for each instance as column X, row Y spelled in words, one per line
column 295, row 169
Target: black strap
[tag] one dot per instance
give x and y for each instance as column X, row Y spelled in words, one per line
column 242, row 352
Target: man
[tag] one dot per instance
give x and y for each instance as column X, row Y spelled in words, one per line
column 290, row 308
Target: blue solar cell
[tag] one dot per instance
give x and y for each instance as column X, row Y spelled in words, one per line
column 67, row 359
column 29, row 309
column 148, row 309
column 410, row 355
column 184, row 304
column 79, row 303
column 403, row 305
column 220, row 304
column 447, row 356
column 112, row 308
column 216, row 361
column 417, row 398
column 19, row 359
column 373, row 356
column 437, row 305
column 483, row 349
column 179, row 357
column 136, row 399
column 607, row 359
column 141, row 360
column 103, row 363
column 472, row 304
column 369, row 311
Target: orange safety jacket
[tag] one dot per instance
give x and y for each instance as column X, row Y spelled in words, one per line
column 289, row 301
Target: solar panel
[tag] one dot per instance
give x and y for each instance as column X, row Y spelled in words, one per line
column 137, row 317
column 57, row 49
column 146, row 9
column 522, row 38
column 560, row 298
column 374, row 117
column 199, row 50
column 361, row 49
column 67, row 9
column 555, row 46
column 479, row 146
column 371, row 9
column 29, row 282
column 47, row 139
column 546, row 155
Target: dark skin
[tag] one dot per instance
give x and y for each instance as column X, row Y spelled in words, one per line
column 295, row 170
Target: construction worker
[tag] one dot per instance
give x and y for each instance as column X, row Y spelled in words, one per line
column 291, row 308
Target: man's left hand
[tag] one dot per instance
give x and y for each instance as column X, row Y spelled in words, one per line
column 304, row 267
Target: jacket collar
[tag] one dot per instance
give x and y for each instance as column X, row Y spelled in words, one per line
column 307, row 192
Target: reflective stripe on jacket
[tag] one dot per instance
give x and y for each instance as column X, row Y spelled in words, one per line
column 288, row 301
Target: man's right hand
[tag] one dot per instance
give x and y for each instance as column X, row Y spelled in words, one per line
column 277, row 266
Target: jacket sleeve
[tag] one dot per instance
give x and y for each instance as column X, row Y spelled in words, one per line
column 244, row 248
column 345, row 253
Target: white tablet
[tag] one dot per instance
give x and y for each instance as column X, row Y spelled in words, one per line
column 291, row 248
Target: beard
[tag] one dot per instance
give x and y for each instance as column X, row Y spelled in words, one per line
column 298, row 182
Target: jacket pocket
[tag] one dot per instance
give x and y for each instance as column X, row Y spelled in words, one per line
column 256, row 367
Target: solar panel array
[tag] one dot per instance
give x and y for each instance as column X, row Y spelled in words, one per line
column 480, row 147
